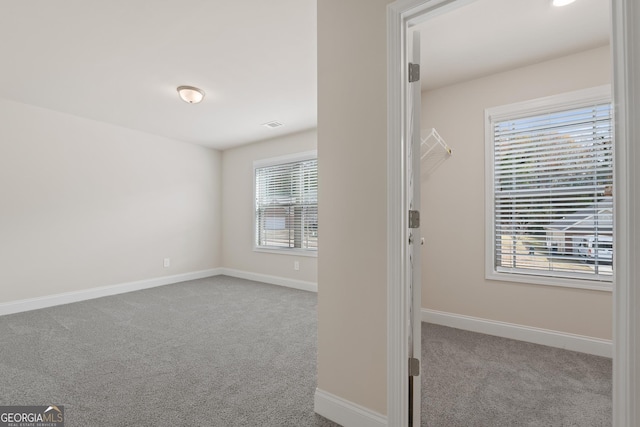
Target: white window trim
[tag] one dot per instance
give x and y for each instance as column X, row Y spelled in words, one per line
column 564, row 101
column 273, row 161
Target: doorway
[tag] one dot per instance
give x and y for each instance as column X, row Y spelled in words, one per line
column 401, row 18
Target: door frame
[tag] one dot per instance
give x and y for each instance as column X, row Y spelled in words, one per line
column 626, row 294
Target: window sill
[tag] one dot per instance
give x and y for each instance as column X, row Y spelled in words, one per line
column 564, row 282
column 290, row 252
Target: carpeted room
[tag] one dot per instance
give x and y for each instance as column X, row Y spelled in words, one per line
column 477, row 200
column 54, row 264
column 111, row 183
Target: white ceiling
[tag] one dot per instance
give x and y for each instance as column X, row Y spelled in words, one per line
column 120, row 61
column 488, row 36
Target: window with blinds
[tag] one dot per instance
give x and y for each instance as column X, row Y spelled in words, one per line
column 551, row 189
column 286, row 204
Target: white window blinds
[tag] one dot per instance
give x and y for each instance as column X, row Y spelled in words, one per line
column 286, row 206
column 552, row 193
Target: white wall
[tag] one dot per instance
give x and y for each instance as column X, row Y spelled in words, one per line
column 86, row 204
column 352, row 158
column 453, row 204
column 238, row 206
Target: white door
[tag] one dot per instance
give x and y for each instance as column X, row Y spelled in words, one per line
column 414, row 101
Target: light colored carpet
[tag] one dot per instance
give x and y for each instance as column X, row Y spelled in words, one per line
column 211, row 352
column 476, row 380
column 229, row 352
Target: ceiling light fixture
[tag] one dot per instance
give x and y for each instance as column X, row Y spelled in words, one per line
column 190, row 94
column 560, row 3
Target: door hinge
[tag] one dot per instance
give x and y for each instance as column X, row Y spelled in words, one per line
column 414, row 72
column 414, row 219
column 414, row 367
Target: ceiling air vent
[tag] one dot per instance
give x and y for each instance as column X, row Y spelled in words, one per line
column 272, row 125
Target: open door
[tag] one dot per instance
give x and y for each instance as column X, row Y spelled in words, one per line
column 414, row 100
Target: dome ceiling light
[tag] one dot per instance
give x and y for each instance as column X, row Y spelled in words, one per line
column 190, row 94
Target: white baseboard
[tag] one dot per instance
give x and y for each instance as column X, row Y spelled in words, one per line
column 273, row 280
column 580, row 343
column 345, row 413
column 102, row 291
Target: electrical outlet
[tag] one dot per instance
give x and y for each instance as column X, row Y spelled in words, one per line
column 167, row 262
column 296, row 265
